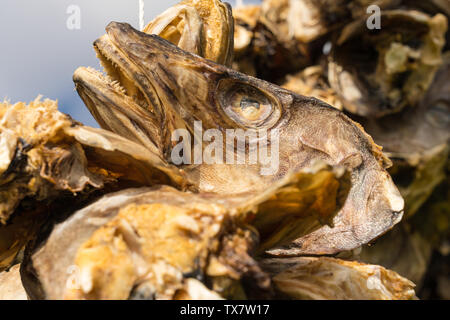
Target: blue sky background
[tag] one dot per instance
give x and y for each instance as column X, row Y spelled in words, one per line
column 39, row 54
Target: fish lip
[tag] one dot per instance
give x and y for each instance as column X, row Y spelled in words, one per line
column 123, row 86
column 395, row 204
column 109, row 50
column 90, row 80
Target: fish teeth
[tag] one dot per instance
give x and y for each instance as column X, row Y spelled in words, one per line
column 104, row 61
column 116, row 84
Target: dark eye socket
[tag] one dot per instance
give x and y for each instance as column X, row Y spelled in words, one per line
column 247, row 105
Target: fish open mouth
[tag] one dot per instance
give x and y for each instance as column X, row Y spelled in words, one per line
column 121, row 99
column 118, row 75
column 149, row 87
column 116, row 72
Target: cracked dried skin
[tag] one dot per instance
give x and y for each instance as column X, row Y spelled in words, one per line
column 146, row 242
column 202, row 27
column 380, row 73
column 334, row 279
column 189, row 88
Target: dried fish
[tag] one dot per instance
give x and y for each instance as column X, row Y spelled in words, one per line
column 144, row 243
column 46, row 156
column 123, row 242
column 379, row 72
column 326, row 278
column 44, row 151
column 143, row 224
column 202, row 27
column 312, row 82
column 188, row 88
column 262, row 47
column 308, row 20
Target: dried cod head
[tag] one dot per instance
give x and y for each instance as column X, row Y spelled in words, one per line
column 136, row 243
column 379, row 72
column 184, row 88
column 201, row 27
column 284, row 36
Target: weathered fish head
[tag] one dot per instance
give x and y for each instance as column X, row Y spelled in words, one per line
column 154, row 89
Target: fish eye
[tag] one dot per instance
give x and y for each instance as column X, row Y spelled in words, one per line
column 246, row 105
